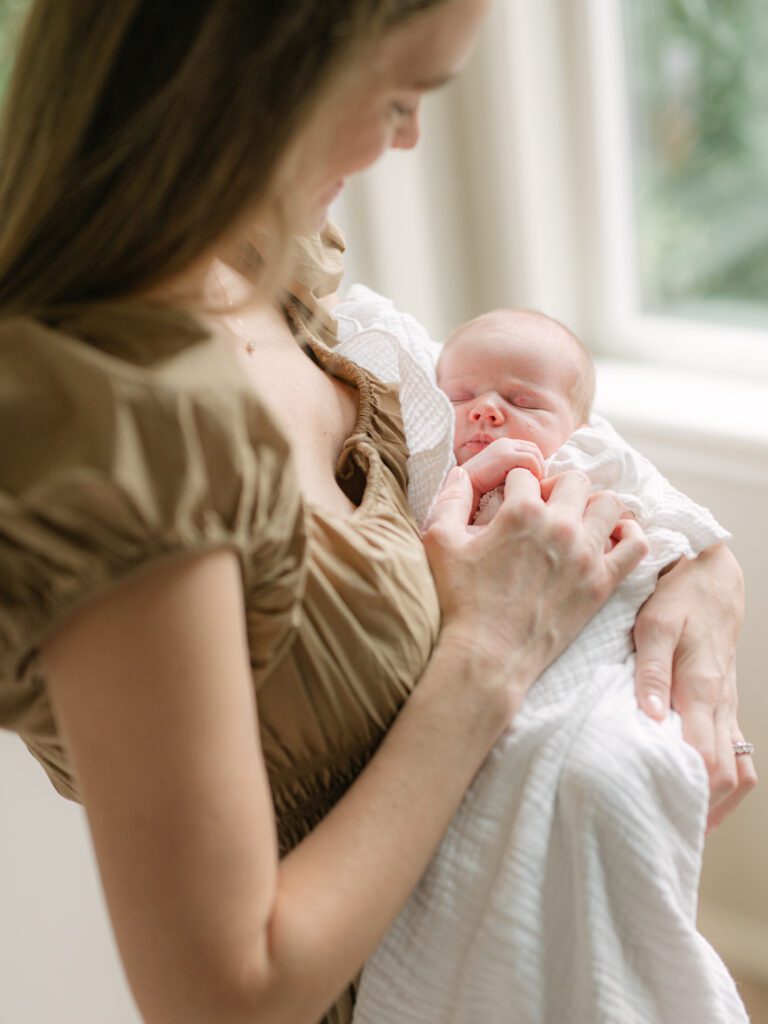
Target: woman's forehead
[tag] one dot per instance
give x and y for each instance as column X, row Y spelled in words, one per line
column 430, row 48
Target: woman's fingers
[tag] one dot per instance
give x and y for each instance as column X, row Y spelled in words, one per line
column 629, row 549
column 723, row 778
column 608, row 527
column 521, row 485
column 453, row 505
column 656, row 640
column 685, row 636
column 604, row 511
column 745, row 780
column 567, row 490
column 733, row 776
column 699, row 730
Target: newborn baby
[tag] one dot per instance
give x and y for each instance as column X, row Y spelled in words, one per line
column 520, row 375
column 565, row 888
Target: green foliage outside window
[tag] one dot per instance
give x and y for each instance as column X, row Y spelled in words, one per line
column 698, row 96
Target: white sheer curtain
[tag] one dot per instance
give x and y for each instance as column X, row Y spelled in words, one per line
column 477, row 216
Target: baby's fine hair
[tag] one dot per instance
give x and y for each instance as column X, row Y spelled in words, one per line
column 583, row 391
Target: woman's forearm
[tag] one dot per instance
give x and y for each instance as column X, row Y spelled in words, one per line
column 164, row 742
column 340, row 889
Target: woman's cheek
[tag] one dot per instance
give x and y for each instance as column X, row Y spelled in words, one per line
column 360, row 140
column 377, row 144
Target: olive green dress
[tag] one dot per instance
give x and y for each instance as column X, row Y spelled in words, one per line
column 129, row 435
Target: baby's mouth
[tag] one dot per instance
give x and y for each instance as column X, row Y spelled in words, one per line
column 479, row 441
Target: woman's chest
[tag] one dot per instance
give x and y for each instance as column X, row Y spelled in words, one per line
column 314, row 411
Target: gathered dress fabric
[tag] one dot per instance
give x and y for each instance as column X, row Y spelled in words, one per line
column 130, row 436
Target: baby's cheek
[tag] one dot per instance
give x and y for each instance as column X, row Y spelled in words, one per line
column 460, row 436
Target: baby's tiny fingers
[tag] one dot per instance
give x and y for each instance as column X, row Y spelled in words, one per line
column 488, row 468
column 530, row 446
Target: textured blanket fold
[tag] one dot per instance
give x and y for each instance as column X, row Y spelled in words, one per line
column 565, row 889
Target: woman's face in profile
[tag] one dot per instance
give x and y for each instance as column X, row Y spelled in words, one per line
column 378, row 107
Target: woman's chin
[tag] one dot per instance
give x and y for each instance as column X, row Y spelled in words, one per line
column 317, row 216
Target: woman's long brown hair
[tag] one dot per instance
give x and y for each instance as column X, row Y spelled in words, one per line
column 136, row 134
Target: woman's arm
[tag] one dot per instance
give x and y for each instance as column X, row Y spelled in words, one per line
column 152, row 690
column 153, row 693
column 685, row 637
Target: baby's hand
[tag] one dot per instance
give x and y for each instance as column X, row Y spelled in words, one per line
column 514, row 454
column 490, row 503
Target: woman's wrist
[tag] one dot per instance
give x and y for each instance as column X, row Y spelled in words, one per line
column 493, row 678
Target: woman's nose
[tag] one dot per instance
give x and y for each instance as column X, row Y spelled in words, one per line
column 408, row 133
column 489, row 410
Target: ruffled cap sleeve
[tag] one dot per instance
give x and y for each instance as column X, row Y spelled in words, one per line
column 116, row 454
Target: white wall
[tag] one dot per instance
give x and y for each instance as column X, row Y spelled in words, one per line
column 57, row 957
column 670, row 416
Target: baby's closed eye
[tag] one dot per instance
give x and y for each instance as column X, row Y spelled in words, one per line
column 526, row 402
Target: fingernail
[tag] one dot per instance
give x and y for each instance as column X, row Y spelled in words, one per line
column 455, row 475
column 654, row 707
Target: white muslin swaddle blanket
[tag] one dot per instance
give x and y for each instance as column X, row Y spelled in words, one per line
column 565, row 889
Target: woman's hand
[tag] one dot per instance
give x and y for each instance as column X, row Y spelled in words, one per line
column 519, row 589
column 685, row 637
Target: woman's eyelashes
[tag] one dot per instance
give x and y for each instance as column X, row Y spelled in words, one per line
column 402, row 110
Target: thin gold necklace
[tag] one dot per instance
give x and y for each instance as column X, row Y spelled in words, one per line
column 240, row 333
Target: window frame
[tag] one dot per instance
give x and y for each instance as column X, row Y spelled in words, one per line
column 623, row 329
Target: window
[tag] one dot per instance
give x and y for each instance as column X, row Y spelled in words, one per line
column 678, row 102
column 697, row 85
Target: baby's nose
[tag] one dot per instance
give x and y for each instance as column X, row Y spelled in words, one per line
column 489, row 410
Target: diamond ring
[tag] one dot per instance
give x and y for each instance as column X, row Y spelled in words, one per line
column 742, row 748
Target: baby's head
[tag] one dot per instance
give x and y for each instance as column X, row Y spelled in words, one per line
column 515, row 373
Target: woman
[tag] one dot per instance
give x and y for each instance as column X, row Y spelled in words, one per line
column 210, row 616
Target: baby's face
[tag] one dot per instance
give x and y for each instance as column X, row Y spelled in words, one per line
column 513, row 380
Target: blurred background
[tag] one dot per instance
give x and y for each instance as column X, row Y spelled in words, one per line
column 605, row 161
